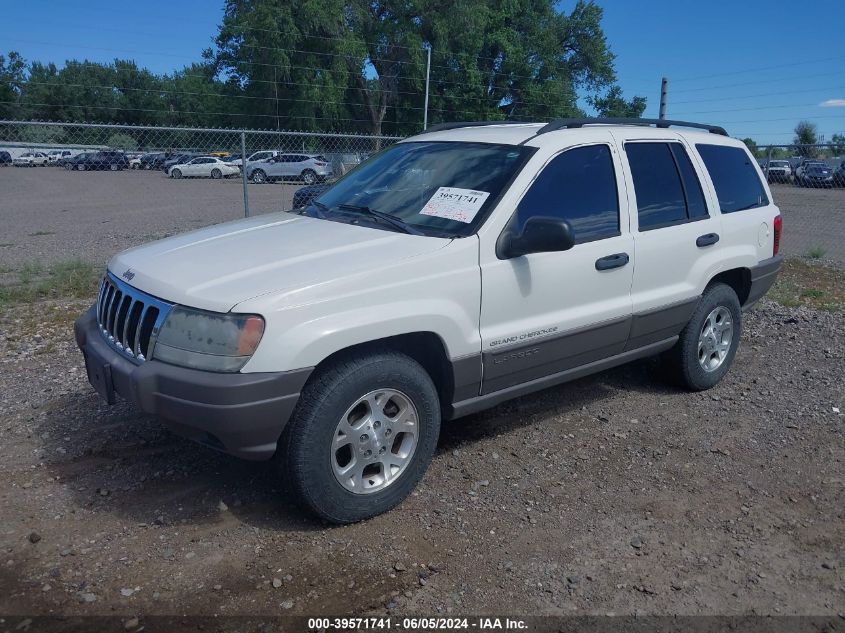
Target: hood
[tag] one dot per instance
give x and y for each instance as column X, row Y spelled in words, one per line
column 220, row 266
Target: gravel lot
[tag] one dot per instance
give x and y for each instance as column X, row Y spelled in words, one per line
column 613, row 494
column 49, row 214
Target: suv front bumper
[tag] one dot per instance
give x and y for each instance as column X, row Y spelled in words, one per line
column 239, row 414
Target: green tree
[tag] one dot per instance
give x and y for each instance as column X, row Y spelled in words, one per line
column 806, row 133
column 12, row 77
column 122, row 141
column 45, row 134
column 614, row 105
column 349, row 63
column 751, row 144
column 837, row 144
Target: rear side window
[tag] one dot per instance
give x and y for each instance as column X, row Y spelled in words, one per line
column 667, row 188
column 737, row 184
column 578, row 186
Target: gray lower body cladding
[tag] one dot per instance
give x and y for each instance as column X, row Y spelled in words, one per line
column 240, row 414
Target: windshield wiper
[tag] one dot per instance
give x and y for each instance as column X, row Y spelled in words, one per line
column 322, row 210
column 386, row 217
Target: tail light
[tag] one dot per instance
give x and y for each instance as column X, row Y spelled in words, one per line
column 778, row 227
column 320, row 164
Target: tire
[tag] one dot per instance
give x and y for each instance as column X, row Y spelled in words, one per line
column 80, row 167
column 309, row 177
column 176, row 173
column 113, row 167
column 68, row 166
column 258, row 177
column 337, row 394
column 685, row 362
column 216, row 174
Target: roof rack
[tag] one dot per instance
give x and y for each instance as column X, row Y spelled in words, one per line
column 441, row 127
column 561, row 124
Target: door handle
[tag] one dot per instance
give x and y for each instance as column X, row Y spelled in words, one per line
column 617, row 260
column 707, row 240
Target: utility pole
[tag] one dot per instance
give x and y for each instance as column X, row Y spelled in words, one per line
column 427, row 76
column 664, row 90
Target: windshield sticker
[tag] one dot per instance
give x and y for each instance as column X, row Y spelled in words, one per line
column 454, row 203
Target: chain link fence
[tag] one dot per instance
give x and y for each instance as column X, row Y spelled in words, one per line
column 92, row 190
column 808, row 184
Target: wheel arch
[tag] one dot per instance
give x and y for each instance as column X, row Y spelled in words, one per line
column 739, row 279
column 425, row 347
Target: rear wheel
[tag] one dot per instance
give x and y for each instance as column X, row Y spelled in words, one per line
column 707, row 345
column 216, row 174
column 68, row 166
column 176, row 173
column 81, row 167
column 113, row 167
column 362, row 436
column 309, row 177
column 259, row 177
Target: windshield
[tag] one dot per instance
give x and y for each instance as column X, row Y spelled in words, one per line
column 442, row 187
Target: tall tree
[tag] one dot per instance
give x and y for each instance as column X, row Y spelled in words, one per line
column 613, row 104
column 806, row 133
column 751, row 144
column 12, row 77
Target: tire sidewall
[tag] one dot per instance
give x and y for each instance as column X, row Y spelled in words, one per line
column 311, row 432
column 695, row 375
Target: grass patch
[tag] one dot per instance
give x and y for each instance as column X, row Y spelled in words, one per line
column 809, row 283
column 815, row 252
column 73, row 278
column 37, row 233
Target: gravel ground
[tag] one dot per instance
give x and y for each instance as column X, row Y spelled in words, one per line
column 613, row 494
column 49, row 214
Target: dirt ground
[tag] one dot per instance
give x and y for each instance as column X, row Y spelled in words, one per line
column 613, row 494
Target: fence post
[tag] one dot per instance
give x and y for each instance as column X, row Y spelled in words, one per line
column 243, row 173
column 769, row 157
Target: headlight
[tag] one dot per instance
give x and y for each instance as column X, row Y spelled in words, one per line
column 208, row 340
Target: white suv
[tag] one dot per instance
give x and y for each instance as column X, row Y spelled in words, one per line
column 452, row 271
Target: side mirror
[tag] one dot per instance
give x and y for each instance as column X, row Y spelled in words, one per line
column 539, row 235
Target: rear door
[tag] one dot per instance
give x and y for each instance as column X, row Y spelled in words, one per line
column 677, row 235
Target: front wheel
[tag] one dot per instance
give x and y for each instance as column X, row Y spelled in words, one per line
column 68, row 166
column 309, row 177
column 707, row 345
column 362, row 436
column 175, row 173
column 259, row 177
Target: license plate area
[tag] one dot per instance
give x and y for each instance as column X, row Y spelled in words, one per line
column 99, row 375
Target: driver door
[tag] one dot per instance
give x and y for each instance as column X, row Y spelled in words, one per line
column 545, row 313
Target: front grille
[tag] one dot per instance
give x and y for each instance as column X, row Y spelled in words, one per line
column 129, row 319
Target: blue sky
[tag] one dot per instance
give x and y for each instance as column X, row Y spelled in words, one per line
column 754, row 66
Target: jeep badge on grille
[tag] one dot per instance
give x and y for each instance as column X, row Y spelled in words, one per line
column 128, row 275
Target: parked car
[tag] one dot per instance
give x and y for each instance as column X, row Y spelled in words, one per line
column 814, row 174
column 203, row 167
column 778, row 171
column 54, row 156
column 154, row 160
column 839, row 175
column 5, row 158
column 303, row 196
column 340, row 337
column 97, row 161
column 256, row 157
column 234, row 159
column 178, row 159
column 30, row 159
column 306, row 167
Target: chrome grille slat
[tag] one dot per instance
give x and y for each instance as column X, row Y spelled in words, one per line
column 129, row 319
column 136, row 345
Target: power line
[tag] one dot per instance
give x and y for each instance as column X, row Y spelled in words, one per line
column 762, row 81
column 765, row 94
column 758, row 69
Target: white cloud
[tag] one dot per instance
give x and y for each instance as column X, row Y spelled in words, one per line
column 833, row 103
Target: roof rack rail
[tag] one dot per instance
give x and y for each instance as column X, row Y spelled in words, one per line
column 441, row 127
column 561, row 124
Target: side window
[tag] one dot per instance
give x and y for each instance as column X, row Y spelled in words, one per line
column 737, row 184
column 578, row 186
column 696, row 206
column 661, row 199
